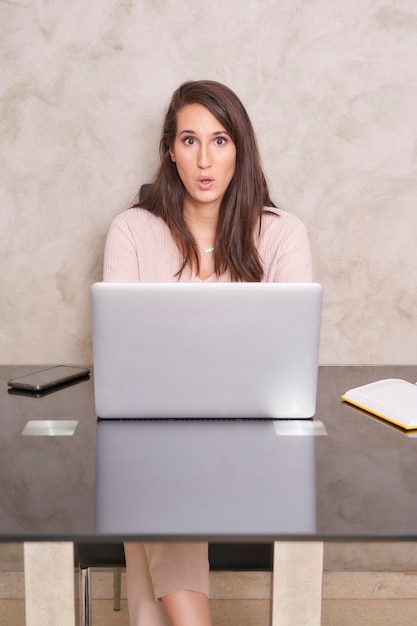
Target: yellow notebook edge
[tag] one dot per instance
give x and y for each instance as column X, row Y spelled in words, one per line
column 381, row 415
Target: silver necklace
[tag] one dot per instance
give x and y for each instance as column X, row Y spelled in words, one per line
column 208, row 250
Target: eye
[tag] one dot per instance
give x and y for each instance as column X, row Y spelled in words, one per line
column 220, row 141
column 189, row 141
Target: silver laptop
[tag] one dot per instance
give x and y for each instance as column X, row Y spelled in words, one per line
column 212, row 350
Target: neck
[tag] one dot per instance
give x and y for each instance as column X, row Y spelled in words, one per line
column 202, row 222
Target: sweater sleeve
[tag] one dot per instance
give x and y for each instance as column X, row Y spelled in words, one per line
column 295, row 264
column 285, row 250
column 120, row 255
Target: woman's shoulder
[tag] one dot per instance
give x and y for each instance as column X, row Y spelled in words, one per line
column 277, row 219
column 284, row 247
column 140, row 224
column 138, row 216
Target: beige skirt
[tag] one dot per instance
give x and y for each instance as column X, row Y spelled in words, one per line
column 156, row 569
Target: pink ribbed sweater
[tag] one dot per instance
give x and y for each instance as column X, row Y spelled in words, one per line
column 140, row 248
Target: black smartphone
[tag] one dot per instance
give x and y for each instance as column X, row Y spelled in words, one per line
column 49, row 377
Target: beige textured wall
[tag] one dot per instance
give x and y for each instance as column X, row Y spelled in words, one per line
column 331, row 88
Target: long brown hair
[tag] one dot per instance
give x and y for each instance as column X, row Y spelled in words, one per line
column 244, row 200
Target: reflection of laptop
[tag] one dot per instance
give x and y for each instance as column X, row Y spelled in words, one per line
column 213, row 350
column 216, row 480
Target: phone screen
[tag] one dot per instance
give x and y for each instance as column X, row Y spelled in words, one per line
column 48, row 377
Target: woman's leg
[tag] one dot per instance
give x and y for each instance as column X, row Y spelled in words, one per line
column 187, row 608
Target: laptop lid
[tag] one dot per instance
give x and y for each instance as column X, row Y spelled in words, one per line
column 206, row 350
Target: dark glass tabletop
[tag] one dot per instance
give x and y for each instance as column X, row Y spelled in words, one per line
column 212, row 480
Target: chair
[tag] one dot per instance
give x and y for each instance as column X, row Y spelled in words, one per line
column 89, row 555
column 223, row 557
column 143, row 191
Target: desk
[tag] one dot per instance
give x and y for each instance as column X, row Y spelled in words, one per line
column 363, row 471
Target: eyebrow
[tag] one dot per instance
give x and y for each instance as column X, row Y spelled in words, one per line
column 192, row 132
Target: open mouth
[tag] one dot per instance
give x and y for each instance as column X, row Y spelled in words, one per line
column 204, row 182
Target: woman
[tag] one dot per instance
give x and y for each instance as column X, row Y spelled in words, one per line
column 207, row 217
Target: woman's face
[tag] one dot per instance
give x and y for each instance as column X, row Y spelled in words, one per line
column 205, row 156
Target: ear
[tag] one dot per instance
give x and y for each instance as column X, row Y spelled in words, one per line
column 172, row 155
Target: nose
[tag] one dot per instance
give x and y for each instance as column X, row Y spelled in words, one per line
column 203, row 160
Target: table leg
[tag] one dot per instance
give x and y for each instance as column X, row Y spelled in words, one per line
column 297, row 583
column 49, row 584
